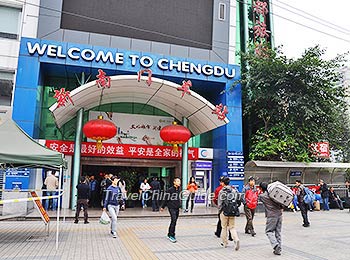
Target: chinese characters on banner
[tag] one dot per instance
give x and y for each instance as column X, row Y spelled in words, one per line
column 122, row 150
column 62, row 97
column 260, row 10
column 235, row 165
column 320, row 149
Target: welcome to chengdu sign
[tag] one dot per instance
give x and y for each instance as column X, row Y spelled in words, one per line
column 121, row 58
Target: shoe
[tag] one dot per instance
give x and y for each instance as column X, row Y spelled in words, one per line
column 277, row 250
column 306, row 225
column 191, row 211
column 230, row 239
column 222, row 244
column 76, row 221
column 237, row 245
column 86, row 222
column 247, row 232
column 172, row 239
column 186, row 210
column 114, row 234
column 253, row 233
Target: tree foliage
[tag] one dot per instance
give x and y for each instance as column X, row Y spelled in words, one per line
column 290, row 103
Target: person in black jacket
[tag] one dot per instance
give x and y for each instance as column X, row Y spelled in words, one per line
column 302, row 205
column 83, row 198
column 172, row 199
column 155, row 188
column 324, row 194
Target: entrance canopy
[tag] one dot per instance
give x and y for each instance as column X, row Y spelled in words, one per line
column 161, row 94
column 18, row 149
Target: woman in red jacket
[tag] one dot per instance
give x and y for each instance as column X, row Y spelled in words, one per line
column 192, row 188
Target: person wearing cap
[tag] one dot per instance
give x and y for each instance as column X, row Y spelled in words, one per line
column 250, row 202
column 215, row 201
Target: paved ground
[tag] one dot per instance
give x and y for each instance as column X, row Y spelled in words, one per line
column 144, row 238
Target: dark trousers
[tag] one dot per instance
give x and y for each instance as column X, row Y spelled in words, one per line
column 94, row 199
column 82, row 203
column 249, row 214
column 219, row 228
column 155, row 200
column 174, row 214
column 303, row 209
column 190, row 197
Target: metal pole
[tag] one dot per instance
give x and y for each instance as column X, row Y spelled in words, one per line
column 184, row 163
column 59, row 205
column 77, row 151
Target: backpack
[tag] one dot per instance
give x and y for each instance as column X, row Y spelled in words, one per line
column 230, row 203
column 309, row 196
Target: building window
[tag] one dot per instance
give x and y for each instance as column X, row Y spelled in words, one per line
column 9, row 22
column 222, row 11
column 6, row 85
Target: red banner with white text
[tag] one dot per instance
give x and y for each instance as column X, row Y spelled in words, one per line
column 122, row 150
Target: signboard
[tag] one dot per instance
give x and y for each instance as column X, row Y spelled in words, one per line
column 16, row 179
column 295, row 174
column 111, row 58
column 205, row 153
column 320, row 149
column 202, row 165
column 122, row 150
column 45, row 217
column 135, row 129
column 235, row 165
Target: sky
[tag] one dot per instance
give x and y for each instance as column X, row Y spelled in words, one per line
column 328, row 22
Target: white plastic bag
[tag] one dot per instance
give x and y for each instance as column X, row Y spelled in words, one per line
column 104, row 219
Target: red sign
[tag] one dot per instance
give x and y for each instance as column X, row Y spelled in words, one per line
column 45, row 217
column 122, row 150
column 320, row 149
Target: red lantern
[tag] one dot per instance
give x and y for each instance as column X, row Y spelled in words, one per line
column 175, row 134
column 99, row 130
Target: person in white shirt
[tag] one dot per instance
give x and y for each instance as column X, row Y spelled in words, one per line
column 144, row 188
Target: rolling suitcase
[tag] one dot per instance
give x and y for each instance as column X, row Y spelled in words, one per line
column 280, row 193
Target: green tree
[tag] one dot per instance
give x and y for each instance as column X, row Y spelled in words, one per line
column 291, row 103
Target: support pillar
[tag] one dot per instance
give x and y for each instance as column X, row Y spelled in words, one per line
column 184, row 163
column 77, row 155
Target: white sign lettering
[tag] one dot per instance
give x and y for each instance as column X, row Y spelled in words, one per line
column 89, row 55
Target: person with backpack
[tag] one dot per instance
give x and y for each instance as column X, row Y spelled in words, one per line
column 250, row 202
column 228, row 203
column 215, row 201
column 113, row 202
column 273, row 214
column 304, row 197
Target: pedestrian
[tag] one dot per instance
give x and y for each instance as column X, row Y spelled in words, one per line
column 93, row 192
column 215, row 201
column 105, row 183
column 324, row 194
column 227, row 196
column 122, row 185
column 155, row 188
column 335, row 199
column 144, row 188
column 300, row 192
column 172, row 200
column 250, row 202
column 51, row 183
column 82, row 200
column 192, row 187
column 273, row 214
column 112, row 203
